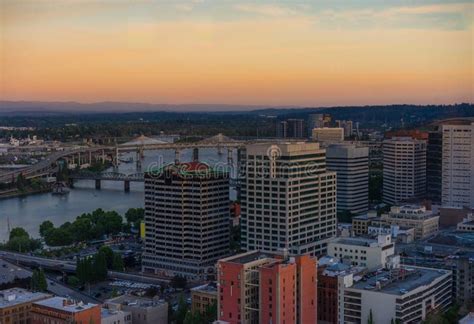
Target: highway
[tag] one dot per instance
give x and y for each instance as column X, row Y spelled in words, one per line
column 68, row 266
column 44, row 166
column 10, row 271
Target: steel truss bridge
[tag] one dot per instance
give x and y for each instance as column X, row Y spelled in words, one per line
column 83, row 155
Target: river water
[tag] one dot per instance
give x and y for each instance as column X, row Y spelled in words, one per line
column 30, row 211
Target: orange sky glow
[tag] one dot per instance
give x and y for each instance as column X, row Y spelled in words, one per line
column 274, row 53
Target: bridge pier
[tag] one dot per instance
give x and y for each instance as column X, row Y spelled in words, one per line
column 176, row 156
column 126, row 185
column 195, row 154
column 97, row 184
column 230, row 158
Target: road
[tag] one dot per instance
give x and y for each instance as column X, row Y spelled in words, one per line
column 67, row 266
column 10, row 271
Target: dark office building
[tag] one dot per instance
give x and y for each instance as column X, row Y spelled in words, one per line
column 434, row 153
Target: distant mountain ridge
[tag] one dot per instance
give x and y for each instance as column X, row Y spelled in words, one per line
column 115, row 107
column 54, row 108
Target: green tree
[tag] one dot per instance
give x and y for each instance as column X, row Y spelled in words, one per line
column 38, row 281
column 117, row 264
column 17, row 232
column 58, row 237
column 100, row 267
column 181, row 311
column 22, row 243
column 134, row 216
column 109, row 255
column 370, row 320
column 73, row 281
column 21, row 182
column 44, row 227
column 42, row 282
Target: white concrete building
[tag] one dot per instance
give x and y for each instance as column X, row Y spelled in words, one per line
column 288, row 198
column 404, row 294
column 424, row 221
column 351, row 163
column 467, row 225
column 114, row 316
column 364, row 252
column 404, row 169
column 457, row 184
column 142, row 310
column 328, row 135
column 186, row 219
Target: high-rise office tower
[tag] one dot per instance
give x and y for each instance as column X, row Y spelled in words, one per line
column 434, row 163
column 288, row 198
column 351, row 163
column 404, row 169
column 347, row 125
column 318, row 121
column 296, row 128
column 457, row 186
column 282, row 129
column 186, row 219
column 291, row 128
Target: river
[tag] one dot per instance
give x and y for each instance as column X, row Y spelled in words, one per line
column 30, row 211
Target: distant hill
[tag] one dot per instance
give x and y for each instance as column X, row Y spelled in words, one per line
column 35, row 107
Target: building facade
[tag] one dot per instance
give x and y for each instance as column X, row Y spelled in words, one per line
column 434, row 164
column 406, row 295
column 61, row 310
column 351, row 164
column 424, row 221
column 363, row 252
column 142, row 310
column 404, row 169
column 328, row 135
column 457, row 184
column 288, row 198
column 203, row 297
column 112, row 316
column 15, row 305
column 347, row 125
column 186, row 219
column 257, row 287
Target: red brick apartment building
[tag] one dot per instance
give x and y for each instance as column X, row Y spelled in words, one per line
column 60, row 310
column 256, row 287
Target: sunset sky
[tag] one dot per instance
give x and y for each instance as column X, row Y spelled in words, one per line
column 315, row 53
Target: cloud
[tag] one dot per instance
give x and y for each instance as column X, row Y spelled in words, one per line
column 184, row 7
column 434, row 16
column 266, row 10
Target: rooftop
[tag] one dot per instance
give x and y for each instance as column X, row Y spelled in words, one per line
column 65, row 304
column 188, row 168
column 247, row 257
column 105, row 312
column 363, row 241
column 407, row 280
column 16, row 296
column 210, row 288
column 136, row 302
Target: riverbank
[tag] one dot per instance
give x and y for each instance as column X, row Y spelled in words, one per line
column 15, row 193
